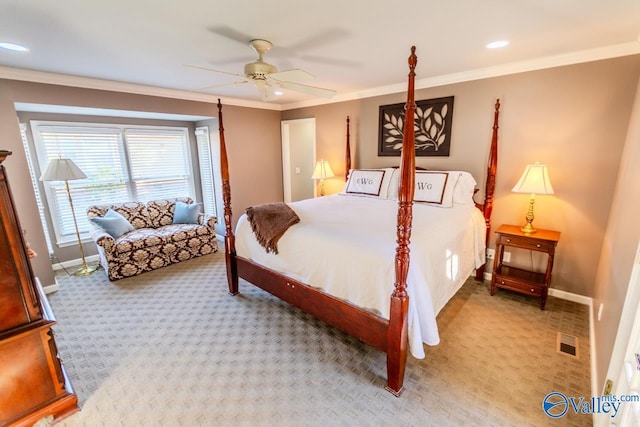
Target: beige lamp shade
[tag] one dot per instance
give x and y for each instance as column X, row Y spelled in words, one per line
column 322, row 170
column 534, row 180
column 62, row 170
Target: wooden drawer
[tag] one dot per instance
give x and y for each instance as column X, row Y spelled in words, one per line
column 518, row 286
column 527, row 243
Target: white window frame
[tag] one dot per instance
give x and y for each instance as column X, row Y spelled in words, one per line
column 36, row 189
column 68, row 239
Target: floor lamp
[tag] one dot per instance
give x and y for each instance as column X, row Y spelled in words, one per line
column 65, row 170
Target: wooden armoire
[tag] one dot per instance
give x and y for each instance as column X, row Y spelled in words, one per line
column 33, row 383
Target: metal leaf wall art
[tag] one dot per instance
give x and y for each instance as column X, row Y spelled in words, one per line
column 432, row 125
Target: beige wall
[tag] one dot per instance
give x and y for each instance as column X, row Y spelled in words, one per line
column 617, row 253
column 253, row 145
column 255, row 158
column 253, row 139
column 572, row 118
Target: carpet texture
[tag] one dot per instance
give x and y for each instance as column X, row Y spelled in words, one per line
column 172, row 348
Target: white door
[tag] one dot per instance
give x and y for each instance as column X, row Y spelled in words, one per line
column 298, row 158
column 627, row 363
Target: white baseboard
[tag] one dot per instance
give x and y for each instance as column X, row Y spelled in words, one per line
column 49, row 289
column 569, row 296
column 75, row 262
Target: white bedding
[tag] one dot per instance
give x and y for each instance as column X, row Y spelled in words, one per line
column 346, row 246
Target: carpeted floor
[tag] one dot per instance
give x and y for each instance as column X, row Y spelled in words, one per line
column 173, row 348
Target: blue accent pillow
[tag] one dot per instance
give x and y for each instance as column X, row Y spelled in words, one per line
column 186, row 213
column 113, row 223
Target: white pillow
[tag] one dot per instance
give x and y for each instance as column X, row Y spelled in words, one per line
column 434, row 188
column 368, row 182
column 394, row 184
column 464, row 189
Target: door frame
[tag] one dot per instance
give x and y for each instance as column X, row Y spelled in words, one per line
column 286, row 154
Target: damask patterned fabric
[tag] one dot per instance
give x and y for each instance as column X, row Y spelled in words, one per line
column 155, row 242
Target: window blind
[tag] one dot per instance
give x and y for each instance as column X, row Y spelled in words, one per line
column 159, row 163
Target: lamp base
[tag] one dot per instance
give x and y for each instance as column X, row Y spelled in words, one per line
column 85, row 270
column 528, row 229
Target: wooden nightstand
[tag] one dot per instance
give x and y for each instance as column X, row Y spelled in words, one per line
column 518, row 279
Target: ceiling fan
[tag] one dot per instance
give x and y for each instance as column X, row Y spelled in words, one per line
column 268, row 79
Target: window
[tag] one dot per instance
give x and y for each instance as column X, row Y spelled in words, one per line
column 205, row 158
column 122, row 163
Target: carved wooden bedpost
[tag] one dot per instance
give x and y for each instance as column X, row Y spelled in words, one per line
column 492, row 169
column 229, row 238
column 348, row 154
column 397, row 333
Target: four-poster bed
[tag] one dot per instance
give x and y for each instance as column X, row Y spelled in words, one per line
column 387, row 326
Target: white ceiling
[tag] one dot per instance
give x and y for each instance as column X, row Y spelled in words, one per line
column 356, row 47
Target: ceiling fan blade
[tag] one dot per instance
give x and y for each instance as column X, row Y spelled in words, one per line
column 231, row 34
column 295, row 75
column 309, row 90
column 332, row 61
column 328, row 36
column 240, row 76
column 223, row 84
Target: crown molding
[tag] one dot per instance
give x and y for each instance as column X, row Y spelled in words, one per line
column 23, row 74
column 613, row 51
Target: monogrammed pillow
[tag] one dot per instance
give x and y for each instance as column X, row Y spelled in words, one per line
column 368, row 182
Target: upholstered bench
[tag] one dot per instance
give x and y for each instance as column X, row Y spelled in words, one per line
column 135, row 237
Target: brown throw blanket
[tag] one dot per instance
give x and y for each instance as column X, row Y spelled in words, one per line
column 269, row 222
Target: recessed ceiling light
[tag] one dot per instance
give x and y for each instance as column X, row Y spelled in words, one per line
column 13, row 46
column 497, row 44
column 279, row 93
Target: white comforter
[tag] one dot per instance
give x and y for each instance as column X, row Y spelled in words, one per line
column 346, row 246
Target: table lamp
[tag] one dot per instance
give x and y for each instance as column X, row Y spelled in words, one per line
column 322, row 171
column 534, row 180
